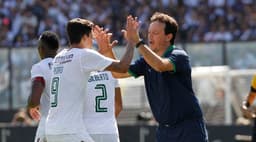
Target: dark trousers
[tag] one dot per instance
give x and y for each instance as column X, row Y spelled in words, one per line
column 186, row 131
column 254, row 131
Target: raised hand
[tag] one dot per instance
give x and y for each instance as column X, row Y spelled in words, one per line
column 131, row 33
column 103, row 38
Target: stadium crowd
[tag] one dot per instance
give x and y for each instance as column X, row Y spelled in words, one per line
column 21, row 21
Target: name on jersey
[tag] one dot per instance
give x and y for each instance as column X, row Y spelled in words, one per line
column 64, row 59
column 57, row 70
column 98, row 77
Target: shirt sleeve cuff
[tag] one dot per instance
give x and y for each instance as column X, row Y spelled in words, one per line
column 174, row 67
column 132, row 74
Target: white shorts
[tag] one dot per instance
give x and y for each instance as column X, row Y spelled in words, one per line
column 40, row 135
column 69, row 138
column 105, row 137
column 40, row 138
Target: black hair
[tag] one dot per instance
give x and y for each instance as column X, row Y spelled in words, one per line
column 49, row 40
column 77, row 28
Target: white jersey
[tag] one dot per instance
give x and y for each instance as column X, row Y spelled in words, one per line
column 100, row 104
column 43, row 69
column 70, row 73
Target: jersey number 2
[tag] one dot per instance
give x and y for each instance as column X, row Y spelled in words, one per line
column 54, row 91
column 103, row 89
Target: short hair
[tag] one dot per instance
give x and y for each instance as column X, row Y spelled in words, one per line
column 171, row 25
column 77, row 28
column 49, row 40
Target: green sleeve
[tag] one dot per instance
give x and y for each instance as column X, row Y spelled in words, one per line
column 132, row 73
column 174, row 66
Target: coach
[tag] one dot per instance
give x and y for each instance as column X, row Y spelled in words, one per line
column 167, row 75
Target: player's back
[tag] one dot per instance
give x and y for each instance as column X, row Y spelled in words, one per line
column 100, row 104
column 67, row 89
column 70, row 72
column 43, row 69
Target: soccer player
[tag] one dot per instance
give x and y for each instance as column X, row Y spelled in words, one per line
column 103, row 104
column 38, row 102
column 167, row 76
column 246, row 107
column 70, row 73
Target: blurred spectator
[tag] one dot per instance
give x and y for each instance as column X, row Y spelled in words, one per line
column 213, row 20
column 146, row 118
column 21, row 118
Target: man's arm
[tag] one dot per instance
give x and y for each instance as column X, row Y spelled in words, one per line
column 118, row 101
column 246, row 106
column 252, row 94
column 105, row 48
column 38, row 85
column 247, row 112
column 155, row 61
column 122, row 66
column 250, row 98
column 110, row 53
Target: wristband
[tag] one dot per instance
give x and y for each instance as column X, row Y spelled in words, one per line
column 139, row 43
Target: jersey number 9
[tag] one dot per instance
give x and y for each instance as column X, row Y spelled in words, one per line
column 54, row 91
